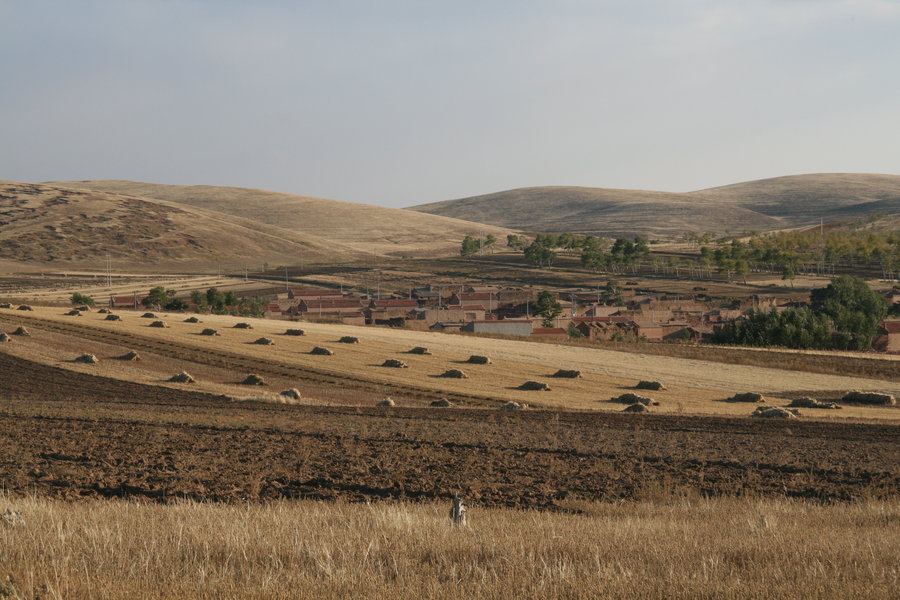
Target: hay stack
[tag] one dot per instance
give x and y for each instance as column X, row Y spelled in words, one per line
column 73, row 313
column 812, row 403
column 253, row 379
column 264, row 341
column 419, row 350
column 158, row 324
column 130, row 355
column 454, row 374
column 5, row 338
column 746, row 397
column 775, row 412
column 479, row 360
column 25, row 307
column 637, row 407
column 319, row 350
column 443, row 403
column 148, row 315
column 535, row 386
column 567, row 374
column 111, row 317
column 387, row 402
column 869, row 398
column 650, row 385
column 209, row 332
column 514, row 406
column 394, row 363
column 6, row 305
column 103, row 311
column 294, row 332
column 243, row 326
column 192, row 320
column 293, row 394
column 83, row 308
column 629, row 398
column 349, row 339
column 21, row 331
column 183, row 377
column 89, row 359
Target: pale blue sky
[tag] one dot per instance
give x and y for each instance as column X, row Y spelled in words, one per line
column 402, row 102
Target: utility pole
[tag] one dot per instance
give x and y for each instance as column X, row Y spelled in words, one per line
column 108, row 273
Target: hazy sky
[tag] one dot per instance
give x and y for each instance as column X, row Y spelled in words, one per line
column 399, row 102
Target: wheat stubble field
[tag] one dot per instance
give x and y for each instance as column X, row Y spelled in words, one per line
column 128, row 485
column 695, row 386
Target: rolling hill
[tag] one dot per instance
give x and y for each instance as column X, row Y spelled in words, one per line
column 51, row 224
column 360, row 227
column 762, row 205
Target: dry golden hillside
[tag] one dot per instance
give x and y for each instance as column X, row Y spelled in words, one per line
column 763, row 205
column 49, row 224
column 362, row 227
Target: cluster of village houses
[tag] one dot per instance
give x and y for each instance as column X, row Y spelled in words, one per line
column 644, row 315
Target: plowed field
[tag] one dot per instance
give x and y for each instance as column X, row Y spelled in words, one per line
column 75, row 435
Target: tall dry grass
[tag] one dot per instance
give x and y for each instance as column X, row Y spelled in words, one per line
column 681, row 548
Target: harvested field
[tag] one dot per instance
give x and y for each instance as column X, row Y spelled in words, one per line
column 81, row 436
column 694, row 387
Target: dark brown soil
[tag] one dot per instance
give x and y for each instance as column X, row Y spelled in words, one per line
column 80, row 436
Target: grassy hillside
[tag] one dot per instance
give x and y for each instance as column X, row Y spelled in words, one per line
column 362, row 227
column 804, row 199
column 762, row 205
column 49, row 224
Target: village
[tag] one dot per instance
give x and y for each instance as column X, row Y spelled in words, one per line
column 633, row 314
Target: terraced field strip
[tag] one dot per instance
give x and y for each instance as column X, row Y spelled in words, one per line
column 230, row 360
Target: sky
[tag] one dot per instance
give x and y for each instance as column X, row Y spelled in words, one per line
column 402, row 102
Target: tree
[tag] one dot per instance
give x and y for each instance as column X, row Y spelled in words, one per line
column 199, row 298
column 490, row 241
column 787, row 273
column 742, row 268
column 79, row 298
column 156, row 298
column 469, row 247
column 516, row 242
column 612, row 293
column 539, row 254
column 176, row 304
column 854, row 309
column 548, row 307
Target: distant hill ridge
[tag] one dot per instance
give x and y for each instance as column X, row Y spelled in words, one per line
column 357, row 227
column 41, row 223
column 761, row 205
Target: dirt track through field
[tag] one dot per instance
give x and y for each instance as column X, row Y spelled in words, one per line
column 75, row 435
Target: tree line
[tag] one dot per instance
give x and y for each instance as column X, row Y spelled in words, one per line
column 842, row 316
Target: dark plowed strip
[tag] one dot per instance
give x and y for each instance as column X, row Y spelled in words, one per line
column 56, row 439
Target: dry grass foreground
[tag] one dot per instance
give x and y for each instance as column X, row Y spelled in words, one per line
column 695, row 386
column 652, row 549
